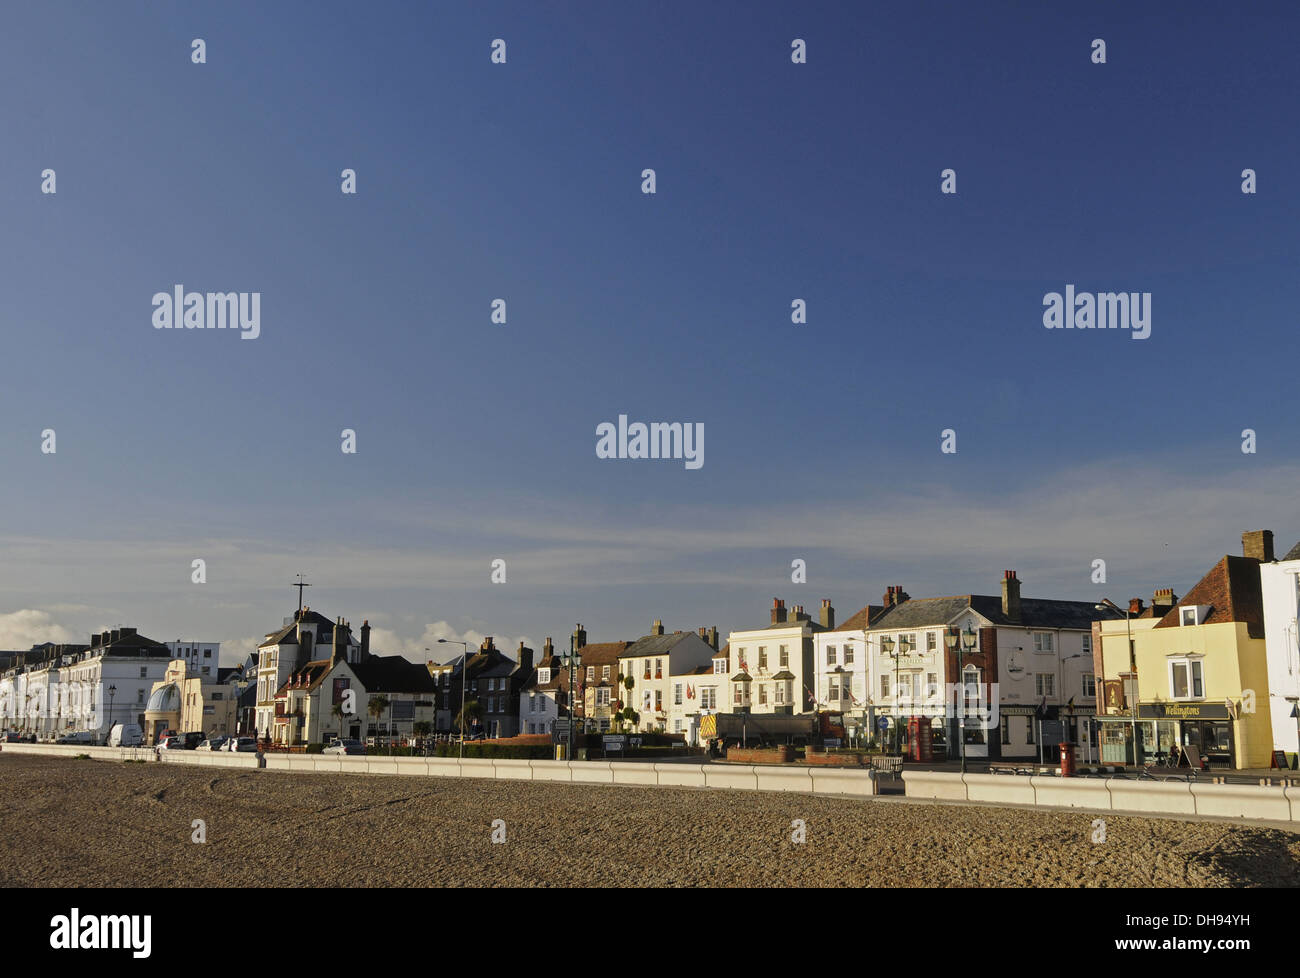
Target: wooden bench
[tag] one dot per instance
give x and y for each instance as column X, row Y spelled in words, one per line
column 893, row 766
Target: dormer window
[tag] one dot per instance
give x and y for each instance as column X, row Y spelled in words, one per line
column 543, row 675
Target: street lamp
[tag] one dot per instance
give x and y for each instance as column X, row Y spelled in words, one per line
column 464, row 669
column 573, row 661
column 887, row 645
column 968, row 638
column 112, row 691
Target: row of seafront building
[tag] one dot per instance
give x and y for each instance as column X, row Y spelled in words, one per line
column 1216, row 672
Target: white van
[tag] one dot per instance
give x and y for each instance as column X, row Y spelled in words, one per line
column 125, row 735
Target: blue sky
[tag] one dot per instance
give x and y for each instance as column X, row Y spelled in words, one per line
column 522, row 181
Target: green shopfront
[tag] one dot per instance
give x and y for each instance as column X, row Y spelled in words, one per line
column 1199, row 729
column 1203, row 729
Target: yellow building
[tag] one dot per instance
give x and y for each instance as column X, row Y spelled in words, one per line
column 185, row 703
column 1196, row 676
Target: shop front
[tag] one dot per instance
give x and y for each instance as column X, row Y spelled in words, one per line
column 1202, row 730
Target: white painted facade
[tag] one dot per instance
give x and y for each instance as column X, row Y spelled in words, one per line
column 1280, row 585
column 652, row 676
column 201, row 658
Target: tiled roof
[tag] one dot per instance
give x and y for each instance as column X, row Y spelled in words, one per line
column 288, row 634
column 655, row 644
column 1232, row 590
column 1293, row 553
column 860, row 619
column 393, row 674
column 1034, row 612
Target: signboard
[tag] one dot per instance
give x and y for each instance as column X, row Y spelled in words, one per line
column 612, row 741
column 883, row 723
column 1279, row 760
column 831, row 742
column 1053, row 732
column 1183, row 711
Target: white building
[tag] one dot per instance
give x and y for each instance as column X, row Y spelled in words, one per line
column 305, row 637
column 1038, row 652
column 59, row 690
column 201, row 658
column 1279, row 582
column 772, row 667
column 842, row 668
column 652, row 662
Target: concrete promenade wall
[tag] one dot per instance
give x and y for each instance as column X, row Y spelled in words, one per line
column 799, row 778
column 1249, row 802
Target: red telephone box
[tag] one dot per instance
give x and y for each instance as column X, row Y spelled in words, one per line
column 919, row 743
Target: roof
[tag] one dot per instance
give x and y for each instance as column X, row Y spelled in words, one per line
column 815, row 625
column 859, row 620
column 393, row 674
column 602, row 653
column 164, row 699
column 1034, row 612
column 656, row 644
column 310, row 675
column 1293, row 553
column 287, row 635
column 1232, row 590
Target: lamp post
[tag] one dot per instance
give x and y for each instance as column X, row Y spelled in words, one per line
column 464, row 669
column 962, row 645
column 887, row 646
column 1109, row 605
column 573, row 661
column 112, row 691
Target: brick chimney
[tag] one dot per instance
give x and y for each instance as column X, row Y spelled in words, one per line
column 365, row 640
column 579, row 637
column 1259, row 545
column 778, row 611
column 1135, row 606
column 1011, row 595
column 103, row 638
column 658, row 628
column 548, row 649
column 487, row 645
column 894, row 595
column 337, row 647
column 828, row 614
column 1162, row 601
column 525, row 657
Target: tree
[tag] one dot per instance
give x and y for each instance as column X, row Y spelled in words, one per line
column 472, row 711
column 376, row 707
column 338, row 712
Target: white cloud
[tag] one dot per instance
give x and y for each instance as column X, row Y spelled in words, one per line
column 20, row 630
column 384, row 641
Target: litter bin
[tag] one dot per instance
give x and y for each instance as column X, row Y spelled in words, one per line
column 559, row 751
column 1067, row 760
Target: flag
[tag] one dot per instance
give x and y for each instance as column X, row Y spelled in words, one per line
column 1042, row 707
column 811, row 695
column 743, row 666
column 690, row 691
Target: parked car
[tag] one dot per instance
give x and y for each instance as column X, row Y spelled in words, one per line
column 78, row 737
column 345, row 747
column 171, row 743
column 125, row 735
column 14, row 737
column 241, row 745
column 214, row 743
column 192, row 739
